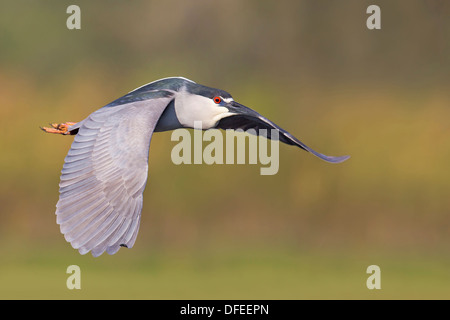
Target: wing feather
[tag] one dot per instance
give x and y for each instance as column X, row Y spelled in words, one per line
column 250, row 119
column 104, row 176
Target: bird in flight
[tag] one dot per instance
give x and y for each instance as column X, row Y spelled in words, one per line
column 105, row 170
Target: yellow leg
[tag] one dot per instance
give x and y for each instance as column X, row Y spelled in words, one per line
column 59, row 128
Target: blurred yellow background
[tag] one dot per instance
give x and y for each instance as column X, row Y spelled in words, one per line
column 225, row 231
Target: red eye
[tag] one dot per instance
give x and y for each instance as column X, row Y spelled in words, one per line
column 217, row 100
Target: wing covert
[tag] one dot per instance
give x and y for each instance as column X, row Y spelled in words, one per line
column 104, row 176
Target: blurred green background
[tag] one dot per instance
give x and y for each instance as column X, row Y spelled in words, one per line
column 225, row 231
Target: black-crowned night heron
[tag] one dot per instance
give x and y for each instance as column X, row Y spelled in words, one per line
column 105, row 170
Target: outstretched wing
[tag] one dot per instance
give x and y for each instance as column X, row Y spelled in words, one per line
column 246, row 118
column 104, row 176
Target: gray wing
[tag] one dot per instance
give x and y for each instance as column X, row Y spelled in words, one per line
column 250, row 119
column 104, row 176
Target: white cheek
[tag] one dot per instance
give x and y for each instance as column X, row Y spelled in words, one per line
column 192, row 108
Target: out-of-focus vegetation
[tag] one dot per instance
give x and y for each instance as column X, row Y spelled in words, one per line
column 224, row 231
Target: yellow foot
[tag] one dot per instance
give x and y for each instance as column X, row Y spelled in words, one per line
column 59, row 128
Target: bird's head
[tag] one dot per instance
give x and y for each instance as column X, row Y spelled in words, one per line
column 208, row 106
column 202, row 104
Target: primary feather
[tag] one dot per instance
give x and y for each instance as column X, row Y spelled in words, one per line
column 104, row 176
